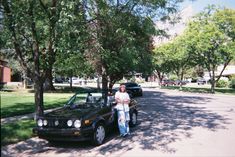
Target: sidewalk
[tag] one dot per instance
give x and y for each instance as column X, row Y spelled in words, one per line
column 22, row 117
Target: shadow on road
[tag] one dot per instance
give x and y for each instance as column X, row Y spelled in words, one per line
column 163, row 119
column 166, row 119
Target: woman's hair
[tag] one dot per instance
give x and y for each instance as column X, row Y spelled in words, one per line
column 122, row 85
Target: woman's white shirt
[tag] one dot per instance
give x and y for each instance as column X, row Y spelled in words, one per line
column 122, row 97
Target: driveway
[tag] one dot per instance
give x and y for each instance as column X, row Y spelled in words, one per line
column 171, row 123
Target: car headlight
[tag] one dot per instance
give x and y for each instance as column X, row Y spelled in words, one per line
column 40, row 122
column 69, row 123
column 77, row 124
column 44, row 122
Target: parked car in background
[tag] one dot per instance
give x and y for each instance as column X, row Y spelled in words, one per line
column 201, row 81
column 133, row 89
column 58, row 80
column 168, row 83
column 84, row 117
column 78, row 81
column 178, row 82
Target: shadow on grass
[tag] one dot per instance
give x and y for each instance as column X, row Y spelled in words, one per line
column 15, row 132
column 73, row 90
column 163, row 119
column 201, row 90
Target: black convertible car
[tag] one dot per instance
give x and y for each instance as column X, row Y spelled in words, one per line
column 85, row 117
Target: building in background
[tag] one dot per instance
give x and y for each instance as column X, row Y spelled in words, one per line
column 5, row 72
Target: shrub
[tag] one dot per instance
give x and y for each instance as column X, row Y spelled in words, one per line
column 173, row 77
column 133, row 79
column 140, row 81
column 222, row 84
column 232, row 83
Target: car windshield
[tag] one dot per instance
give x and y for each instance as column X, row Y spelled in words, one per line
column 131, row 85
column 84, row 100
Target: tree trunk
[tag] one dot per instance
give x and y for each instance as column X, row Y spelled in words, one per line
column 104, row 84
column 213, row 81
column 37, row 77
column 160, row 77
column 181, row 79
column 70, row 82
column 225, row 65
column 111, row 84
column 49, row 79
column 212, row 86
column 38, row 94
column 98, row 82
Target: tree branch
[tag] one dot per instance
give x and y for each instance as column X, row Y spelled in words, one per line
column 225, row 65
column 11, row 27
column 45, row 8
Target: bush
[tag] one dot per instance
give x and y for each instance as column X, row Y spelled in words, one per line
column 140, row 81
column 222, row 84
column 232, row 83
column 173, row 77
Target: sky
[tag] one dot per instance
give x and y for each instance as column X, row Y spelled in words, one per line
column 187, row 10
column 199, row 5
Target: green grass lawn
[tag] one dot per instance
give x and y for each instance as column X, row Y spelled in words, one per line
column 19, row 103
column 17, row 131
column 202, row 89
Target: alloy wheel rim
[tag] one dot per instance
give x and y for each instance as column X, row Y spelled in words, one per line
column 134, row 118
column 100, row 134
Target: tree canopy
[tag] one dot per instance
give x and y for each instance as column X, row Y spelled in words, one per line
column 213, row 39
column 208, row 41
column 77, row 37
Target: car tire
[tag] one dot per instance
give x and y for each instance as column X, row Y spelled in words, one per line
column 52, row 142
column 99, row 134
column 133, row 119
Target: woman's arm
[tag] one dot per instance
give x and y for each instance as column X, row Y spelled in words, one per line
column 117, row 99
column 127, row 99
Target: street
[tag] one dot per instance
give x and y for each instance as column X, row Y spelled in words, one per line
column 170, row 123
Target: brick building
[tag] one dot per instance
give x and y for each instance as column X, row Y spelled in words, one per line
column 5, row 72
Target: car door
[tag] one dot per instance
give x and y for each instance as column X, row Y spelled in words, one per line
column 107, row 113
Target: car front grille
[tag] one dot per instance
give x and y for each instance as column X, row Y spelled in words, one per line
column 61, row 123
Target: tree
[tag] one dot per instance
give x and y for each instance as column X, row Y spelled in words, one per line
column 182, row 60
column 73, row 41
column 31, row 26
column 123, row 35
column 211, row 34
column 160, row 61
column 72, row 64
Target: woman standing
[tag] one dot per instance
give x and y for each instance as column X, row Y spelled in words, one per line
column 122, row 98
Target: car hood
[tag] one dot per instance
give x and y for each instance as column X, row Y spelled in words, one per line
column 67, row 112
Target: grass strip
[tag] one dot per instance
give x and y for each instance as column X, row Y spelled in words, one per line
column 17, row 131
column 201, row 89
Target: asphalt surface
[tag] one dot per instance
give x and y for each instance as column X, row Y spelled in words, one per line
column 171, row 123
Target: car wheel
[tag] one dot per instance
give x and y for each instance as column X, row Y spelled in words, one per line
column 99, row 134
column 52, row 143
column 133, row 119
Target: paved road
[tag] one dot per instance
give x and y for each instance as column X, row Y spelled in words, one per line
column 171, row 123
